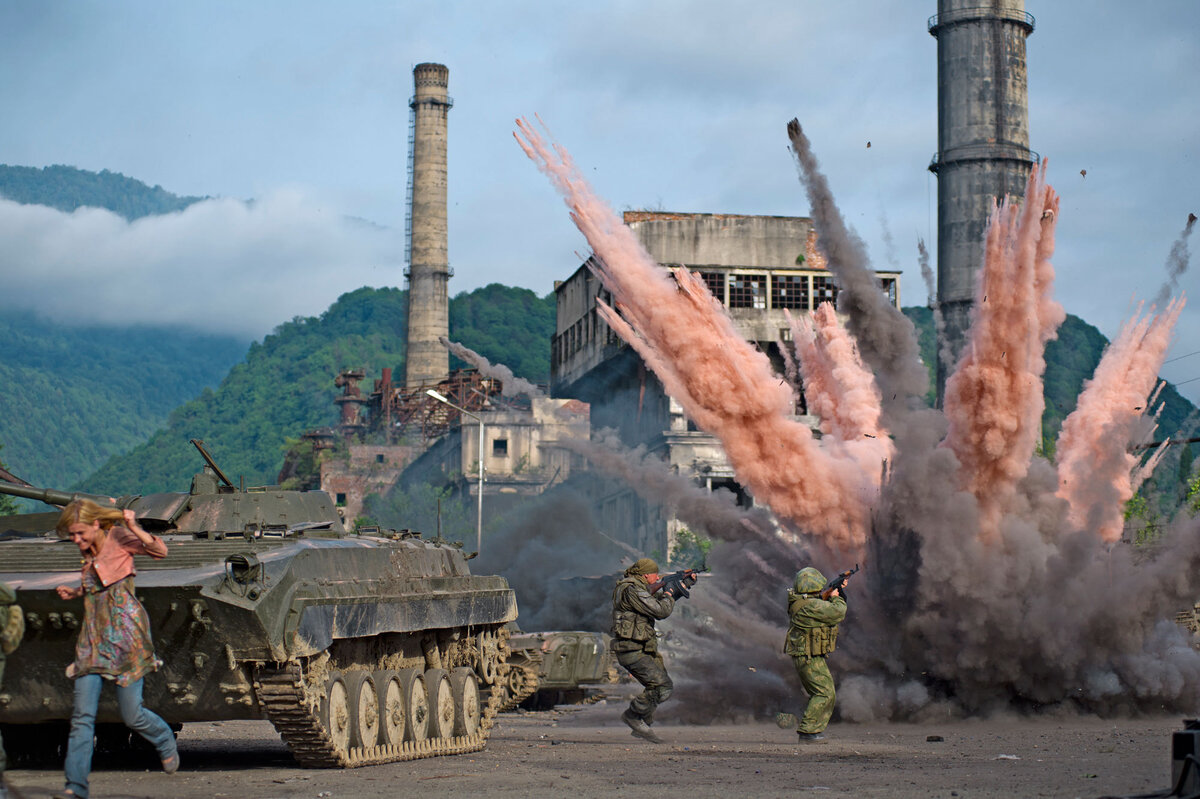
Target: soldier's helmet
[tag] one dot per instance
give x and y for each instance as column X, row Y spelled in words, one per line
column 809, row 580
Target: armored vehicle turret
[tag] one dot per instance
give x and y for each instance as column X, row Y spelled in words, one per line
column 360, row 648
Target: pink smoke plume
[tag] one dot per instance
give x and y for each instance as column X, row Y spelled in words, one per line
column 994, row 400
column 953, row 617
column 1094, row 466
column 839, row 389
column 727, row 387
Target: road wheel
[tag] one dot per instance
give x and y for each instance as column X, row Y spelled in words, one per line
column 416, row 704
column 488, row 643
column 335, row 711
column 364, row 708
column 391, row 707
column 441, row 703
column 465, row 690
column 518, row 681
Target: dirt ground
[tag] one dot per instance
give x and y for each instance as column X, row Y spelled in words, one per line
column 585, row 751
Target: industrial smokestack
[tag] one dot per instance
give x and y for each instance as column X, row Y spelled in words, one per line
column 428, row 264
column 983, row 144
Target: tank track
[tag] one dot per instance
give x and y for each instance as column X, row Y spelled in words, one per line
column 291, row 708
column 529, row 686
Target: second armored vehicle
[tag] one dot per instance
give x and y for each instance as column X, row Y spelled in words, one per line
column 549, row 668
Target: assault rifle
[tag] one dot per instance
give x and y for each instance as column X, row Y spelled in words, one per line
column 676, row 584
column 837, row 583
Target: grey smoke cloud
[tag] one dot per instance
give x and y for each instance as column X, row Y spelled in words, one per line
column 944, row 355
column 886, row 338
column 220, row 265
column 1177, row 264
column 511, row 384
column 724, row 644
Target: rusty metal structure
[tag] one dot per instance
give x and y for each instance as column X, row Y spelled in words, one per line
column 392, row 413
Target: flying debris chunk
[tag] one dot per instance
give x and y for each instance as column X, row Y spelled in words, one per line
column 868, row 145
column 1191, row 219
column 1083, row 172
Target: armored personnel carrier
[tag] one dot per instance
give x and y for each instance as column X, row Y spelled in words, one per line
column 549, row 668
column 359, row 648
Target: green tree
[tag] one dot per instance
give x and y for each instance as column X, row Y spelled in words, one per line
column 690, row 551
column 8, row 505
column 284, row 386
column 510, row 326
column 68, row 188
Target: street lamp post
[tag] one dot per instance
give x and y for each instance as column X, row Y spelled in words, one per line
column 479, row 504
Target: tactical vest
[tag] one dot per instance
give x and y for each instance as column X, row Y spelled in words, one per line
column 808, row 641
column 631, row 630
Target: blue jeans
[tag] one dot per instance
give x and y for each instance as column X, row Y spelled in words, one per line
column 83, row 727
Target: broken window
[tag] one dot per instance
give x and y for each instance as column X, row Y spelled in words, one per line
column 789, row 291
column 748, row 291
column 716, row 284
column 499, row 447
column 888, row 284
column 824, row 290
column 340, row 499
column 379, row 458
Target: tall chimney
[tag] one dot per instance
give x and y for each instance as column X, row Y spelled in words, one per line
column 983, row 142
column 427, row 360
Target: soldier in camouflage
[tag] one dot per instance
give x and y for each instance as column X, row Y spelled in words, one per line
column 811, row 636
column 12, row 626
column 635, row 643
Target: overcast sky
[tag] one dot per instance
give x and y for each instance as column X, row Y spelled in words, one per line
column 680, row 106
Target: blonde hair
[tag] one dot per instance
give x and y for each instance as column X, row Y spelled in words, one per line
column 84, row 511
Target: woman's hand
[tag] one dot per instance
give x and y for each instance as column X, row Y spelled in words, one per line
column 67, row 592
column 131, row 524
column 153, row 545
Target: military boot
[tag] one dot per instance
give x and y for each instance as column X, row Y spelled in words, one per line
column 810, row 737
column 640, row 728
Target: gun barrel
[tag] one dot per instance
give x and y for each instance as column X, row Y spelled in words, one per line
column 49, row 495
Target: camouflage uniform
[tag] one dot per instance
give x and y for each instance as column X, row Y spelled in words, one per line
column 634, row 641
column 811, row 636
column 11, row 627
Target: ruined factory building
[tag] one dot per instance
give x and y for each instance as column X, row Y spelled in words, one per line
column 758, row 267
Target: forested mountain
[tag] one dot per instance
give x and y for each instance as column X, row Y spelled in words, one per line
column 67, row 188
column 514, row 324
column 74, row 397
column 1070, row 360
column 285, row 384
